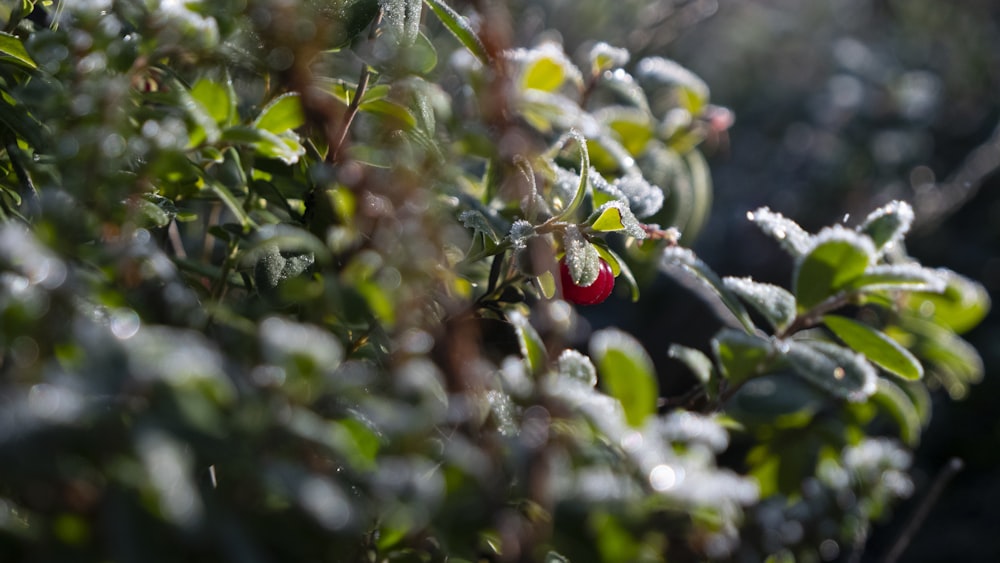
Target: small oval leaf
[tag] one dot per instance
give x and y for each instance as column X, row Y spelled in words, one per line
column 881, row 350
column 626, row 373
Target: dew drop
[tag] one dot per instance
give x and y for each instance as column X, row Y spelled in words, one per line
column 838, row 373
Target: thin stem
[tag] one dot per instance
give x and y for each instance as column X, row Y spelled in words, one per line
column 352, row 112
column 943, row 478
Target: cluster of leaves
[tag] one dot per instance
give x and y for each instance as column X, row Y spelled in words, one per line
column 269, row 291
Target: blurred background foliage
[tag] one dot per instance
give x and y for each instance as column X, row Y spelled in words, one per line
column 161, row 338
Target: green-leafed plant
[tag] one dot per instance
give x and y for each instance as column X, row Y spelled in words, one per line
column 295, row 281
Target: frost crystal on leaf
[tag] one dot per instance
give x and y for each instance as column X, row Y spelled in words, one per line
column 888, row 224
column 793, row 238
column 665, row 71
column 519, row 233
column 578, row 366
column 603, row 56
column 644, row 198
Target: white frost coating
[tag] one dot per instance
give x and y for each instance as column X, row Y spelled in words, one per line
column 839, row 233
column 903, row 213
column 578, row 366
column 582, row 259
column 644, row 198
column 774, row 302
column 603, row 56
column 403, row 18
column 911, row 277
column 788, row 233
column 666, row 71
column 547, row 50
column 686, row 427
column 519, row 233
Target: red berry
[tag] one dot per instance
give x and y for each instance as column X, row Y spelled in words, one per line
column 591, row 294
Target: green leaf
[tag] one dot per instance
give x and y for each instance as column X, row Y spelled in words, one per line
column 899, row 277
column 546, row 67
column 792, row 238
column 616, row 216
column 475, row 220
column 775, row 303
column 12, row 48
column 581, row 190
column 231, row 202
column 216, row 100
column 685, row 260
column 962, row 305
column 582, row 259
column 608, row 220
column 460, row 28
column 626, row 373
column 897, row 404
column 742, row 356
column 285, row 147
column 390, row 109
column 205, row 129
column 695, row 360
column 632, row 125
column 283, row 113
column 881, row 350
column 837, row 258
column 950, row 360
column 888, row 224
column 839, row 371
column 532, row 348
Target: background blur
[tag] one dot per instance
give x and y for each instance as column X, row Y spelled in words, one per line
column 841, row 106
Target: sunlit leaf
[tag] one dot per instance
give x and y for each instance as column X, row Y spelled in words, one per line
column 532, row 347
column 626, row 372
column 11, row 48
column 836, row 258
column 775, row 303
column 894, row 401
column 686, row 261
column 283, row 113
column 460, row 27
column 888, row 224
column 878, row 348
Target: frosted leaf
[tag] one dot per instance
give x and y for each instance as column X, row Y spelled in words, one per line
column 788, row 233
column 677, row 257
column 402, row 17
column 888, row 225
column 908, row 277
column 686, row 428
column 603, row 57
column 644, row 199
column 775, row 303
column 520, row 231
column 842, row 372
column 624, row 220
column 545, row 67
column 564, row 188
column 626, row 88
column 667, row 72
column 578, row 366
column 582, row 258
column 478, row 222
column 285, row 342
